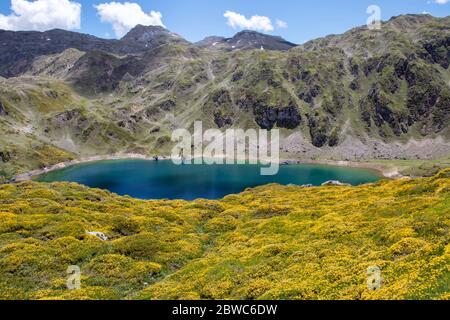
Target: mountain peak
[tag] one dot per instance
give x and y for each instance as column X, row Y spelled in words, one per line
column 413, row 17
column 141, row 33
column 247, row 40
column 243, row 32
column 250, row 32
column 151, row 36
column 210, row 41
column 410, row 21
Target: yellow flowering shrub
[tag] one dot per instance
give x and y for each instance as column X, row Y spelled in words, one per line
column 270, row 242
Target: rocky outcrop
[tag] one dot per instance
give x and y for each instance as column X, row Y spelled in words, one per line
column 335, row 183
column 167, row 105
column 5, row 156
column 238, row 75
column 438, row 51
column 319, row 125
column 221, row 97
column 289, row 117
column 3, row 111
column 97, row 234
column 63, row 118
column 267, row 117
column 377, row 107
column 310, row 93
column 222, row 120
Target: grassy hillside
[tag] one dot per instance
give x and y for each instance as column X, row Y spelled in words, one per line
column 272, row 242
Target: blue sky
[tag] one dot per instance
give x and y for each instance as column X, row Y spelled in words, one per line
column 196, row 19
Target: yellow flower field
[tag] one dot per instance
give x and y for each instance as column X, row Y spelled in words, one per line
column 271, row 242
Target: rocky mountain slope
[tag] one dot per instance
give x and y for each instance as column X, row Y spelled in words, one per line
column 19, row 49
column 272, row 242
column 246, row 40
column 366, row 94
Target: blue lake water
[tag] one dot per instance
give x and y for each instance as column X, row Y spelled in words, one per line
column 164, row 180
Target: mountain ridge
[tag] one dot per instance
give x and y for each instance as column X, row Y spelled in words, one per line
column 363, row 95
column 15, row 62
column 246, row 40
column 29, row 45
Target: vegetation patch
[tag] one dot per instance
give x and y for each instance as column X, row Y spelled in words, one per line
column 271, row 242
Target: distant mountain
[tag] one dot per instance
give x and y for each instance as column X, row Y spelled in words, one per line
column 365, row 94
column 247, row 40
column 18, row 49
column 209, row 42
column 151, row 36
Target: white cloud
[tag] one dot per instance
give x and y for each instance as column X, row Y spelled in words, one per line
column 441, row 1
column 42, row 15
column 256, row 22
column 125, row 16
column 282, row 24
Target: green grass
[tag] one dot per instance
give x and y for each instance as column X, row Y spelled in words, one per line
column 415, row 168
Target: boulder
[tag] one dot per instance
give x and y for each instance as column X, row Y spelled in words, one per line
column 97, row 234
column 335, row 183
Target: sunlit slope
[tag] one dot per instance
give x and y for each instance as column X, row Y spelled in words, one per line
column 272, row 242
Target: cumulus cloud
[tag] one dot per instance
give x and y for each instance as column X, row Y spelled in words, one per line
column 282, row 24
column 125, row 16
column 239, row 21
column 42, row 15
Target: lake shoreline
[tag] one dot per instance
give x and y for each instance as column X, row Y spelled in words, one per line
column 383, row 171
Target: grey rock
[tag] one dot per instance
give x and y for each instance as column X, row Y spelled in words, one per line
column 3, row 111
column 335, row 183
column 5, row 156
column 97, row 234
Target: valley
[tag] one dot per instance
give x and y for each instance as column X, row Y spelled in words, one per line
column 363, row 96
column 88, row 192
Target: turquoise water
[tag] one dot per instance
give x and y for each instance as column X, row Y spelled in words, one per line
column 164, row 180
